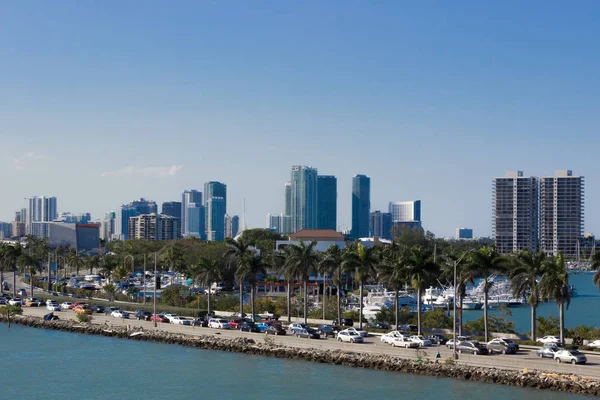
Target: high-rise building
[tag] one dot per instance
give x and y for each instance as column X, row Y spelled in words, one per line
column 215, row 219
column 144, row 206
column 41, row 211
column 516, row 211
column 215, row 223
column 169, row 227
column 5, row 230
column 146, row 226
column 464, row 233
column 275, row 222
column 232, row 224
column 172, row 208
column 196, row 221
column 82, row 237
column 303, row 197
column 381, row 225
column 561, row 213
column 189, row 197
column 69, row 218
column 288, row 199
column 326, row 202
column 405, row 211
column 361, row 206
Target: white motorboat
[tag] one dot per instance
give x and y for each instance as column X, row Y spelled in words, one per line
column 470, row 303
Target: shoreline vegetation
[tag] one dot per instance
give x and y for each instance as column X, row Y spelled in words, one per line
column 527, row 379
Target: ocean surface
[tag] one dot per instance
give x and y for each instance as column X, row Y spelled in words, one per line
column 44, row 364
column 583, row 309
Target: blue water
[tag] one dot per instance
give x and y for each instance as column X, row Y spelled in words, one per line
column 582, row 311
column 42, row 364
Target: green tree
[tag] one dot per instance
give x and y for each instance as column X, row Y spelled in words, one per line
column 10, row 311
column 437, row 319
column 111, row 290
column 250, row 271
column 392, row 272
column 484, row 263
column 330, row 264
column 109, row 264
column 75, row 260
column 302, row 260
column 548, row 326
column 120, row 273
column 523, row 281
column 288, row 271
column 92, row 261
column 363, row 263
column 554, row 284
column 238, row 253
column 420, row 269
column 207, row 272
column 595, row 260
column 9, row 258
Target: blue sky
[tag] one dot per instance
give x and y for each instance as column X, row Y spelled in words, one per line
column 104, row 102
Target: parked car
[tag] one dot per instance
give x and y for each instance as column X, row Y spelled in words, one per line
column 16, row 301
column 327, row 330
column 351, row 337
column 595, row 343
column 66, row 305
column 308, row 333
column 420, row 339
column 50, row 317
column 219, row 323
column 53, row 306
column 202, row 322
column 2, row 301
column 549, row 339
column 247, row 326
column 548, row 350
column 270, row 315
column 296, row 325
column 408, row 328
column 389, row 337
column 143, row 315
column 32, row 302
column 234, row 324
column 500, row 346
column 22, row 292
column 361, row 333
column 570, row 356
column 177, row 320
column 343, row 322
column 82, row 309
column 379, row 325
column 450, row 342
column 120, row 314
column 275, row 329
column 403, row 341
column 255, row 319
column 159, row 318
column 98, row 309
column 438, row 339
column 238, row 315
column 472, row 346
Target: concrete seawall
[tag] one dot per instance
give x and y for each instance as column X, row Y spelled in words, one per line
column 531, row 379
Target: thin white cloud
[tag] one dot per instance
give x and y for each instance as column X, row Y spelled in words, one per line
column 23, row 161
column 147, row 172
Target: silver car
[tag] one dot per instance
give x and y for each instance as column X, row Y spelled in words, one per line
column 570, row 356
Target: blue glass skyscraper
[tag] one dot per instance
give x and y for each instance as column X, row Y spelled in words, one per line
column 326, row 202
column 361, row 206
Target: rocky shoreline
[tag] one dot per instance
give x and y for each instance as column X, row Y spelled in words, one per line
column 531, row 379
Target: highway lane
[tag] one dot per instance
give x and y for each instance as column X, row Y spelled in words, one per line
column 523, row 359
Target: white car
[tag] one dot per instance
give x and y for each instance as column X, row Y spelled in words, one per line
column 595, row 343
column 349, row 336
column 219, row 323
column 16, row 301
column 53, row 306
column 405, row 342
column 296, row 325
column 549, row 339
column 177, row 320
column 120, row 314
column 420, row 340
column 66, row 305
column 389, row 337
column 170, row 317
column 361, row 333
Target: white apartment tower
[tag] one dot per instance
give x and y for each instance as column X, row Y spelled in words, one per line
column 561, row 213
column 41, row 210
column 515, row 216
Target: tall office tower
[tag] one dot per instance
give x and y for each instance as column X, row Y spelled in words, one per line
column 189, row 197
column 516, row 210
column 286, row 226
column 169, row 227
column 5, row 230
column 235, row 225
column 380, row 225
column 23, row 216
column 326, row 202
column 215, row 223
column 215, row 219
column 196, row 221
column 69, row 218
column 144, row 206
column 41, row 211
column 303, row 198
column 361, row 206
column 464, row 233
column 405, row 211
column 229, row 225
column 274, row 222
column 561, row 213
column 124, row 212
column 146, row 226
column 172, row 208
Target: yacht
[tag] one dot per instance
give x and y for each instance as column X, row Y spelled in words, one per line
column 471, row 303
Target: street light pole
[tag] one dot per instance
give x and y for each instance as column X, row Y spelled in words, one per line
column 155, row 255
column 455, row 355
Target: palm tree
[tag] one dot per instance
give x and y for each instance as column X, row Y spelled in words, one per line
column 554, row 284
column 524, row 281
column 595, row 259
column 484, row 263
column 331, row 264
column 249, row 271
column 392, row 272
column 120, row 272
column 461, row 282
column 92, row 261
column 288, row 272
column 301, row 261
column 419, row 270
column 206, row 272
column 12, row 254
column 75, row 260
column 29, row 263
column 363, row 263
column 109, row 264
column 238, row 253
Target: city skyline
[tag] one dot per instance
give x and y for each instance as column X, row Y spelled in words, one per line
column 422, row 98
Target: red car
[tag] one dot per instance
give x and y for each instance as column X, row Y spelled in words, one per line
column 79, row 303
column 159, row 318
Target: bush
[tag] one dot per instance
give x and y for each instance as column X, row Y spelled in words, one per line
column 496, row 323
column 547, row 326
column 84, row 318
column 436, row 319
column 388, row 314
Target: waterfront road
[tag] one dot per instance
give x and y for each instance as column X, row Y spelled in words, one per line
column 523, row 359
